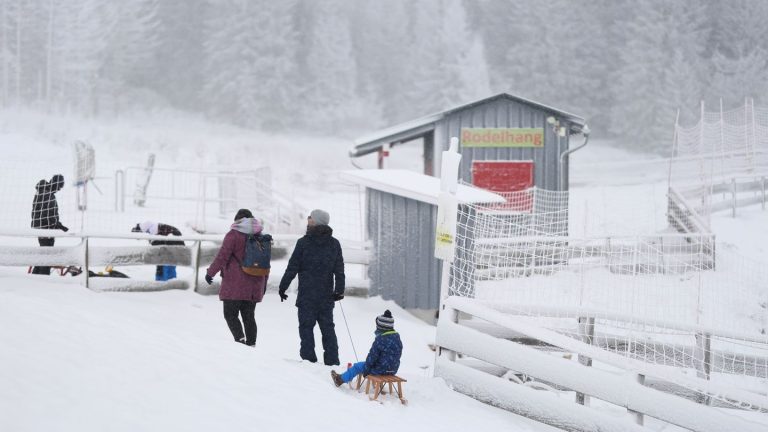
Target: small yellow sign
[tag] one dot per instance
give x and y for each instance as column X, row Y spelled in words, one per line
column 445, row 238
column 502, row 137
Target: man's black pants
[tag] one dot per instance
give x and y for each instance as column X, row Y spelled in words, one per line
column 323, row 316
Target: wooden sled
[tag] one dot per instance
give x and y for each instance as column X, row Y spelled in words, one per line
column 379, row 381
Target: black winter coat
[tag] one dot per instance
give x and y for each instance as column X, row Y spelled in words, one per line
column 317, row 259
column 45, row 209
column 165, row 230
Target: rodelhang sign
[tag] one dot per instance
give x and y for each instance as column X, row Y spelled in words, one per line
column 502, row 137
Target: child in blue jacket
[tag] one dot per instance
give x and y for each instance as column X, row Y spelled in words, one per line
column 384, row 356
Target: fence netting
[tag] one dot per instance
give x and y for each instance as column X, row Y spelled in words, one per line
column 674, row 300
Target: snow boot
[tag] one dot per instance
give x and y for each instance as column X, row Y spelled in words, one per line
column 336, row 379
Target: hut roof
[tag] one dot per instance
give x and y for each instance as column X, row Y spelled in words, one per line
column 419, row 187
column 415, row 128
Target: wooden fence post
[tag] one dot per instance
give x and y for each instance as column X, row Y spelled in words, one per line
column 639, row 417
column 587, row 333
column 703, row 360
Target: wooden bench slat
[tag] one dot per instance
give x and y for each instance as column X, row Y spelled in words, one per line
column 386, row 378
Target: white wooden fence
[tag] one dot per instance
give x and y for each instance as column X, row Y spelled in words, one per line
column 625, row 389
column 199, row 251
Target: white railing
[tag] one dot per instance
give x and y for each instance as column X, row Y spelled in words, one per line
column 88, row 256
column 219, row 193
column 454, row 337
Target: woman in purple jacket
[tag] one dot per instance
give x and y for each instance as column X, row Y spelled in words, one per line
column 239, row 291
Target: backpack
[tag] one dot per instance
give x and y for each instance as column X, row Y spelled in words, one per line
column 258, row 253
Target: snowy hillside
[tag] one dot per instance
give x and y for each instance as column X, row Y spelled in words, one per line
column 84, row 361
column 81, row 361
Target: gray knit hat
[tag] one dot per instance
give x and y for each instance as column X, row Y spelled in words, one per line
column 321, row 217
column 385, row 322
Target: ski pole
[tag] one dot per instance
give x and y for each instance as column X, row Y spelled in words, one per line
column 348, row 332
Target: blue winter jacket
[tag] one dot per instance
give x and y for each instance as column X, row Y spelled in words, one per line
column 384, row 356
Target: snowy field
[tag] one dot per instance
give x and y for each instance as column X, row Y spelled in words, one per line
column 75, row 360
column 83, row 361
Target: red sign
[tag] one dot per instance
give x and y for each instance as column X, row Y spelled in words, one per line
column 508, row 179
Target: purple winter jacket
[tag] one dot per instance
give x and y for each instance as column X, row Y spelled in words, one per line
column 235, row 284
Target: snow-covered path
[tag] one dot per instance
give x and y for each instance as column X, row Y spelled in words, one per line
column 77, row 360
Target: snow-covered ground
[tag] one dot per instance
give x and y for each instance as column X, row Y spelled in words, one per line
column 77, row 360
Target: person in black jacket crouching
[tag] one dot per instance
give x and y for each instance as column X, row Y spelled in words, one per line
column 317, row 260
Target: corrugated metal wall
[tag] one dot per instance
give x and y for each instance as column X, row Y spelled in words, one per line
column 403, row 268
column 503, row 113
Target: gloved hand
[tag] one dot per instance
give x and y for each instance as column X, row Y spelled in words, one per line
column 337, row 297
column 209, row 279
column 283, row 296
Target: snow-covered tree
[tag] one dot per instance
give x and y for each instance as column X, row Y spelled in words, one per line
column 738, row 53
column 660, row 35
column 330, row 90
column 179, row 58
column 250, row 48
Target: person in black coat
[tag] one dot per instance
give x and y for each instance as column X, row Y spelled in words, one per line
column 45, row 214
column 317, row 260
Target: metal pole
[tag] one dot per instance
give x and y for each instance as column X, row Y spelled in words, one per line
column 85, row 262
column 746, row 127
column 119, row 191
column 733, row 194
column 197, row 265
column 585, row 131
column 674, row 148
column 754, row 138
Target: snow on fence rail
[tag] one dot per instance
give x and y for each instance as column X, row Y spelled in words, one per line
column 87, row 255
column 453, row 338
column 657, row 302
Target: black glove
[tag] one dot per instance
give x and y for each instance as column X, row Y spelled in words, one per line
column 283, row 296
column 209, row 279
column 337, row 297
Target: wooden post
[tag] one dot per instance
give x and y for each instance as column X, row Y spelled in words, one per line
column 451, row 314
column 587, row 333
column 703, row 360
column 638, row 416
column 382, row 154
column 429, row 153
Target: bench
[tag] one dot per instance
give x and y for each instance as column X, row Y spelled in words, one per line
column 379, row 381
